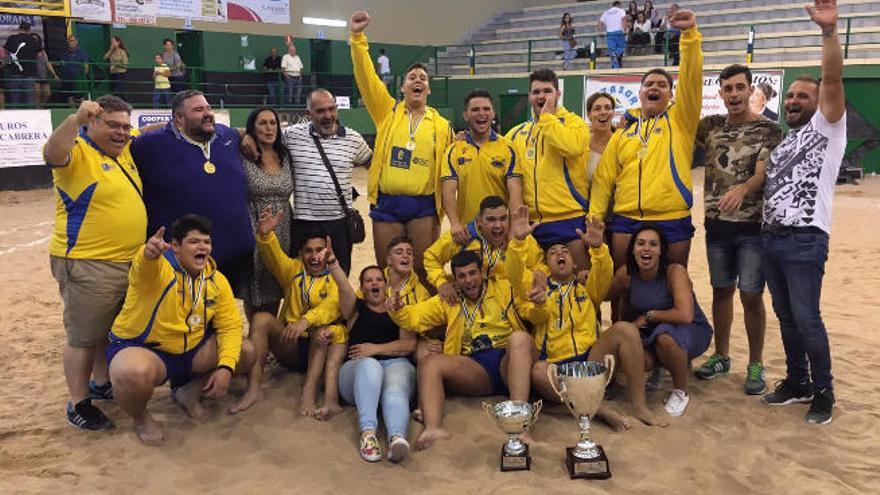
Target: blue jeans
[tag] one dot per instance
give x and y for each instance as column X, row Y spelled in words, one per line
column 21, row 91
column 794, row 265
column 294, row 90
column 368, row 383
column 735, row 260
column 616, row 46
column 275, row 91
column 568, row 54
column 161, row 98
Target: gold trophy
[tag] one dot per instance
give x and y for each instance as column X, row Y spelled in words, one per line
column 581, row 388
column 514, row 417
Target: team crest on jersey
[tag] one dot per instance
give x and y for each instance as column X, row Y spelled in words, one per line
column 210, row 302
column 106, row 167
column 463, row 159
column 323, row 294
column 497, row 162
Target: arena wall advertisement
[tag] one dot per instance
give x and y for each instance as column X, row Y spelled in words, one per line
column 266, row 11
column 92, row 10
column 625, row 90
column 141, row 118
column 22, row 136
column 136, row 11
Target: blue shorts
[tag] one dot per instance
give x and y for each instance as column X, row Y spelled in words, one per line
column 401, row 208
column 559, row 232
column 490, row 360
column 178, row 367
column 580, row 358
column 735, row 259
column 681, row 229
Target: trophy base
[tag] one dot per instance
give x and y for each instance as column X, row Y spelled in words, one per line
column 518, row 462
column 590, row 469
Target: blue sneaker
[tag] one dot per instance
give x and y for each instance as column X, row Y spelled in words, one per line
column 100, row 392
column 85, row 416
column 714, row 367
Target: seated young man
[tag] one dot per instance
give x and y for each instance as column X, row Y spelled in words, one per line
column 179, row 323
column 309, row 318
column 566, row 326
column 486, row 351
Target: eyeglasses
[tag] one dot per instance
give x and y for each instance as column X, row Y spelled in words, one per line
column 116, row 126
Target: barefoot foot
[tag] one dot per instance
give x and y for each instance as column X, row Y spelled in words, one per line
column 249, row 398
column 149, row 432
column 647, row 417
column 327, row 411
column 614, row 419
column 187, row 397
column 431, row 435
column 417, row 415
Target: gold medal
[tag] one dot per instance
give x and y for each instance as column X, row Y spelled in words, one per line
column 411, row 145
column 194, row 320
column 209, row 167
column 531, row 153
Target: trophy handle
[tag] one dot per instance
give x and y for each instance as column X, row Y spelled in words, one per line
column 609, row 364
column 536, row 409
column 551, row 377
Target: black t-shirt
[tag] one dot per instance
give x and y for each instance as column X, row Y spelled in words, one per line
column 269, row 64
column 372, row 328
column 23, row 47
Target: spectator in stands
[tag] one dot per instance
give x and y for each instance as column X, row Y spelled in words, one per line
column 600, row 111
column 270, row 185
column 272, row 76
column 117, row 55
column 292, row 67
column 175, row 63
column 614, row 24
column 205, row 177
column 760, row 99
column 640, row 34
column 385, row 69
column 798, row 194
column 648, row 167
column 43, row 86
column 660, row 301
column 569, row 44
column 23, row 48
column 650, row 14
column 632, row 11
column 161, row 82
column 100, row 224
column 404, row 181
column 74, row 71
column 671, row 35
column 736, row 148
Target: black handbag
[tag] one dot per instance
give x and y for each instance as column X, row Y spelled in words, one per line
column 357, row 232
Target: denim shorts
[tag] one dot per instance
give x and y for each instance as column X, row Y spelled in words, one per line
column 401, row 208
column 559, row 232
column 735, row 259
column 678, row 230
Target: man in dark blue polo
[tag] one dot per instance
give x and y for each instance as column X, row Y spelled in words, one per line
column 193, row 165
column 74, row 71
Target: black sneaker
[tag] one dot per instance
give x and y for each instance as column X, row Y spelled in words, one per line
column 820, row 408
column 100, row 392
column 85, row 416
column 790, row 391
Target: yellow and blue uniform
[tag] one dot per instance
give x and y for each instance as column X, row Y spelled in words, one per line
column 99, row 211
column 172, row 313
column 411, row 290
column 655, row 184
column 313, row 297
column 493, row 260
column 481, row 171
column 566, row 325
column 399, row 178
column 554, row 150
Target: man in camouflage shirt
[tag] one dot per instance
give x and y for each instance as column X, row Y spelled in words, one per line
column 735, row 148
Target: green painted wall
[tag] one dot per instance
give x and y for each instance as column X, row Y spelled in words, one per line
column 141, row 42
column 224, row 51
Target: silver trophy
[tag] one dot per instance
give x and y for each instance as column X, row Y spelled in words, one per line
column 581, row 388
column 514, row 417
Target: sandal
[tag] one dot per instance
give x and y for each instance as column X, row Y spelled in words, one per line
column 371, row 450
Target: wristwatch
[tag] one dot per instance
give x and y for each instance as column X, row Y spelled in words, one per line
column 649, row 315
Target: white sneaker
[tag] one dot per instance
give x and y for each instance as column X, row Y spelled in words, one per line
column 398, row 449
column 676, row 402
column 654, row 379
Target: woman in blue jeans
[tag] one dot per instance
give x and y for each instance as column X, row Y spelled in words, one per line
column 377, row 372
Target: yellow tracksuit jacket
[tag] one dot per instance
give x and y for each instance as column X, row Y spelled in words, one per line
column 160, row 310
column 554, row 153
column 659, row 186
column 566, row 325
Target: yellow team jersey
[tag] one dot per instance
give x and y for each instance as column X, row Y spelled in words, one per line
column 470, row 326
column 99, row 212
column 554, row 151
column 395, row 168
column 648, row 164
column 480, row 171
column 493, row 260
column 411, row 290
column 566, row 325
column 168, row 310
column 315, row 298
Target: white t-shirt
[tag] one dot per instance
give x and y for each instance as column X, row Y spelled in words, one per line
column 384, row 64
column 613, row 19
column 291, row 65
column 802, row 172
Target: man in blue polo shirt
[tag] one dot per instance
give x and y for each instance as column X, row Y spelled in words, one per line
column 193, row 165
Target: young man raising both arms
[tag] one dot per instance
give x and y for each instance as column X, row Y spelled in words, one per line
column 310, row 316
column 100, row 223
column 480, row 165
column 554, row 147
column 180, row 323
column 798, row 193
column 735, row 148
column 648, row 164
column 486, row 351
column 565, row 317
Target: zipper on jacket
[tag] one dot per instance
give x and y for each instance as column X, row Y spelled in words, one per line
column 641, row 213
column 535, row 174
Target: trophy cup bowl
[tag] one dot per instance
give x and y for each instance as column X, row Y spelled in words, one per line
column 514, row 417
column 581, row 387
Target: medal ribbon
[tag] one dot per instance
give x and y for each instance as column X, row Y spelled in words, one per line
column 471, row 316
column 304, row 293
column 195, row 293
column 413, row 131
column 647, row 137
column 564, row 291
